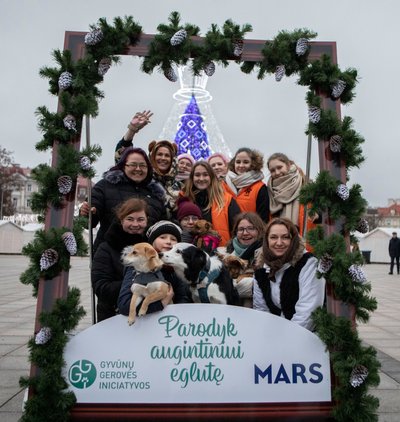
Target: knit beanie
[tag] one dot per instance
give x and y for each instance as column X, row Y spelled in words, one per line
column 186, row 207
column 187, row 156
column 163, row 227
column 223, row 157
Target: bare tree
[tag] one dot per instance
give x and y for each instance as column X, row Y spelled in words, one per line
column 9, row 181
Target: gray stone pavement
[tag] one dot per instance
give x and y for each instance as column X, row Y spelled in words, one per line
column 18, row 309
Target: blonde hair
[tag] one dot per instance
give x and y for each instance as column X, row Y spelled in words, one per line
column 215, row 190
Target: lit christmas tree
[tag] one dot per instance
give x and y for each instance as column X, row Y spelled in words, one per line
column 191, row 136
column 196, row 133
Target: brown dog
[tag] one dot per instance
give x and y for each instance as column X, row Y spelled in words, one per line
column 148, row 285
column 237, row 267
column 205, row 237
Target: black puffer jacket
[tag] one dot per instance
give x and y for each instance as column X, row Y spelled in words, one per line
column 115, row 188
column 108, row 271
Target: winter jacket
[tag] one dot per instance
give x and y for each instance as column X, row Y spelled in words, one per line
column 181, row 291
column 394, row 247
column 311, row 291
column 108, row 271
column 116, row 187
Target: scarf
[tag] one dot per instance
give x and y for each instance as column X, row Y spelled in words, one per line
column 292, row 255
column 284, row 193
column 238, row 247
column 239, row 181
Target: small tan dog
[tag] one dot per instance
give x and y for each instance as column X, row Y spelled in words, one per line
column 148, row 285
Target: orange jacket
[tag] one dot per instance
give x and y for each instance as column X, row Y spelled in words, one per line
column 220, row 219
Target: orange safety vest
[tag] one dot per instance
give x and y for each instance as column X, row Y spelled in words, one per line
column 220, row 219
column 247, row 197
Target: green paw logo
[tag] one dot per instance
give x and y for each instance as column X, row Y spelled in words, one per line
column 82, row 374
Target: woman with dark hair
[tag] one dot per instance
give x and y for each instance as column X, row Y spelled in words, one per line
column 217, row 207
column 131, row 177
column 286, row 282
column 244, row 182
column 246, row 243
column 107, row 270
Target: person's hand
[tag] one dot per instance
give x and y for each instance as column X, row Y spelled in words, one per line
column 84, row 209
column 168, row 299
column 140, row 120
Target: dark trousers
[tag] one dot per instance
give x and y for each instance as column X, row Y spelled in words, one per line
column 397, row 258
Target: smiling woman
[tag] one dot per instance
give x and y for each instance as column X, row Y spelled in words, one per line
column 79, row 69
column 287, row 284
column 131, row 177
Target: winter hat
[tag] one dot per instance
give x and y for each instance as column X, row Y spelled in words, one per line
column 186, row 207
column 187, row 156
column 155, row 145
column 223, row 157
column 163, row 227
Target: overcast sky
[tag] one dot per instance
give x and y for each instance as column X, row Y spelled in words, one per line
column 266, row 115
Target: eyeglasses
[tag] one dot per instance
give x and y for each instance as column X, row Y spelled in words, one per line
column 249, row 229
column 136, row 165
column 190, row 218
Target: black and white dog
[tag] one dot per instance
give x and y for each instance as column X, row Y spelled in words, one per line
column 209, row 280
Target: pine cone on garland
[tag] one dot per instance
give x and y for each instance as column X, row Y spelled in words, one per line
column 43, row 336
column 178, row 37
column 93, row 37
column 343, row 191
column 363, row 226
column 279, row 72
column 357, row 274
column 237, row 47
column 209, row 68
column 85, row 163
column 335, row 143
column 301, row 46
column 314, row 114
column 358, row 375
column 338, row 88
column 170, row 75
column 70, row 242
column 325, row 264
column 104, row 66
column 65, row 80
column 64, row 184
column 49, row 257
column 70, row 122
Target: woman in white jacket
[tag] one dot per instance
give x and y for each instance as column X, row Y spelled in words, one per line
column 286, row 282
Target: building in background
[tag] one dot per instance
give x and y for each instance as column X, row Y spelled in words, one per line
column 389, row 216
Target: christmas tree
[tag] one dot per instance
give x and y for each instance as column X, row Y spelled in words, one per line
column 191, row 136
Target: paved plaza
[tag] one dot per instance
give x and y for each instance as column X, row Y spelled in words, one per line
column 18, row 309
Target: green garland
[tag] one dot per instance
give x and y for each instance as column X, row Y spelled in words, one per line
column 75, row 83
column 50, row 401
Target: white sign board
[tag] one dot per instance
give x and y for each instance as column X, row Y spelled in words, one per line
column 198, row 353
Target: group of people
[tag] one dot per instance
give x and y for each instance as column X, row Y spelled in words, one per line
column 159, row 196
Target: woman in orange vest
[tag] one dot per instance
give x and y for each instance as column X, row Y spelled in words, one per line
column 244, row 182
column 284, row 185
column 217, row 206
